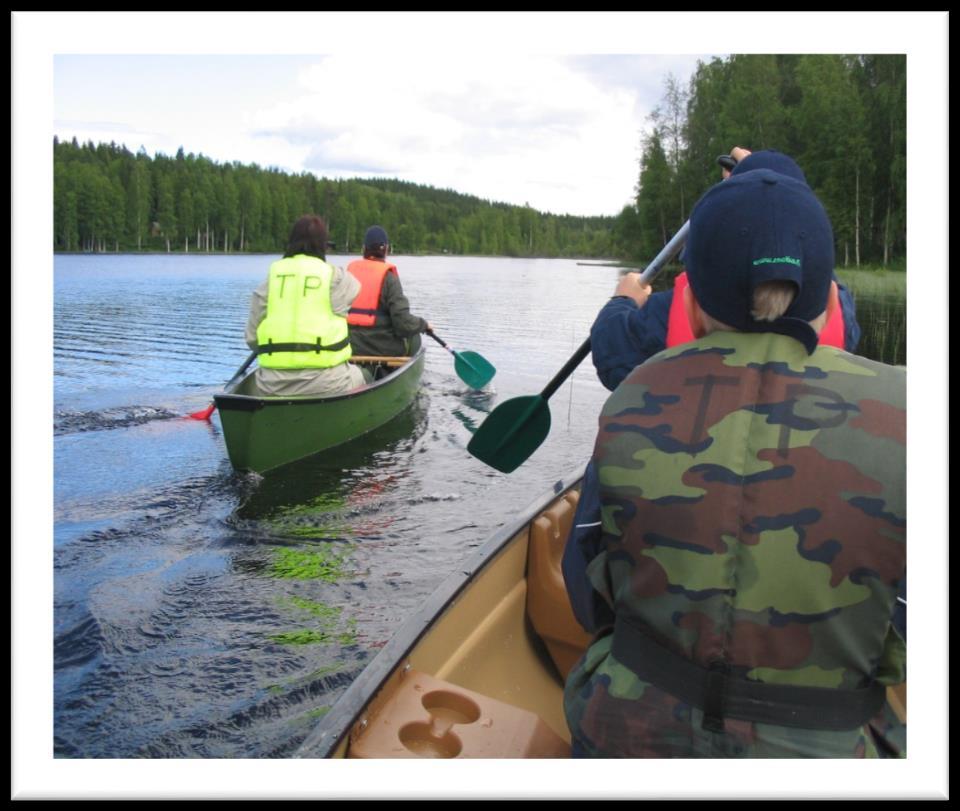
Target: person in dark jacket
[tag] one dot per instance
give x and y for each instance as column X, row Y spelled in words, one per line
column 380, row 319
column 739, row 546
column 635, row 323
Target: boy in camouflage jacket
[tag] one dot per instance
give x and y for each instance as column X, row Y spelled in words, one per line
column 748, row 491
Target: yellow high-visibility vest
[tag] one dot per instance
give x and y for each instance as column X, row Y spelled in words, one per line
column 301, row 330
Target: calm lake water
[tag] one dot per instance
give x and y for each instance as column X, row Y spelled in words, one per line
column 177, row 632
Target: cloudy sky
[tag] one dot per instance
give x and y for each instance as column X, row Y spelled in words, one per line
column 560, row 132
column 545, row 108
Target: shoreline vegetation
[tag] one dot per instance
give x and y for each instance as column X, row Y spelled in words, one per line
column 843, row 118
column 580, row 260
column 899, row 267
column 109, row 200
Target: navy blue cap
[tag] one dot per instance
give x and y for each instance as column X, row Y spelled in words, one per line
column 770, row 159
column 759, row 226
column 375, row 237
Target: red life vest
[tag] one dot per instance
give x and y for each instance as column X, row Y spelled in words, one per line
column 678, row 327
column 679, row 331
column 371, row 274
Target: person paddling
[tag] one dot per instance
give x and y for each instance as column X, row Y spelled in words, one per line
column 380, row 319
column 739, row 546
column 297, row 324
column 637, row 323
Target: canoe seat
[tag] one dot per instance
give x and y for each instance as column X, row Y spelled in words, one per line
column 385, row 360
column 426, row 717
column 548, row 605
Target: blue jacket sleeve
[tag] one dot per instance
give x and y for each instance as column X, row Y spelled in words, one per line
column 624, row 335
column 583, row 545
column 851, row 329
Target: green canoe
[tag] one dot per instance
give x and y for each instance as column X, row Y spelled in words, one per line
column 263, row 433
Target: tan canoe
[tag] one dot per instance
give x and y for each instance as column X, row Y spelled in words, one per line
column 478, row 671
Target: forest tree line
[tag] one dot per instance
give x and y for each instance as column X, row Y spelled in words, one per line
column 843, row 118
column 108, row 199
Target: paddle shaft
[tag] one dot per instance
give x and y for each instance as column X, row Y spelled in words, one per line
column 567, row 370
column 205, row 413
column 250, row 358
column 671, row 249
column 442, row 343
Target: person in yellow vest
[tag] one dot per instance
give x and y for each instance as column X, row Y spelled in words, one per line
column 380, row 319
column 298, row 325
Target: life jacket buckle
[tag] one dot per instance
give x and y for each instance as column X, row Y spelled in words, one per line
column 713, row 708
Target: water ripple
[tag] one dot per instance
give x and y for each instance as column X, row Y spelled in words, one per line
column 78, row 645
column 74, row 422
column 176, row 637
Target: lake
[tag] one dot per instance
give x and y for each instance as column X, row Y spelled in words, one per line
column 189, row 619
column 178, row 630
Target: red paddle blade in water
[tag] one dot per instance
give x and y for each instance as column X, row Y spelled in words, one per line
column 205, row 414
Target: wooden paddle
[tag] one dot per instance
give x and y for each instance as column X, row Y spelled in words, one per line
column 473, row 369
column 205, row 414
column 517, row 427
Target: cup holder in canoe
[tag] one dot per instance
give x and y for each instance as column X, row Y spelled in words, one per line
column 421, row 739
column 450, row 707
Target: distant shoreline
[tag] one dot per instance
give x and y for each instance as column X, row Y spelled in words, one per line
column 580, row 260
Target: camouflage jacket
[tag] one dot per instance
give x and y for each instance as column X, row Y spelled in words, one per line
column 753, row 511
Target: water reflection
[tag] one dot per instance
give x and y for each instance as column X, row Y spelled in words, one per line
column 480, row 403
column 331, row 484
column 205, row 612
column 883, row 321
column 483, row 400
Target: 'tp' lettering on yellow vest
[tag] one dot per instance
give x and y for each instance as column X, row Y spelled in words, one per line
column 301, row 330
column 366, row 306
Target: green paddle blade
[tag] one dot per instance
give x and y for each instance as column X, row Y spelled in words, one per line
column 511, row 432
column 473, row 369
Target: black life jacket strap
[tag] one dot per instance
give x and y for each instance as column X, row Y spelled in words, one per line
column 270, row 347
column 368, row 311
column 721, row 695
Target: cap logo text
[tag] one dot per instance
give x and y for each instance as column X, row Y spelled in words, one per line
column 777, row 260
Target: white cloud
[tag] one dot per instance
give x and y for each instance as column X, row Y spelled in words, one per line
column 517, row 128
column 559, row 132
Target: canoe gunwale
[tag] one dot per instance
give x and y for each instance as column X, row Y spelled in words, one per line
column 257, row 428
column 247, row 402
column 336, row 725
